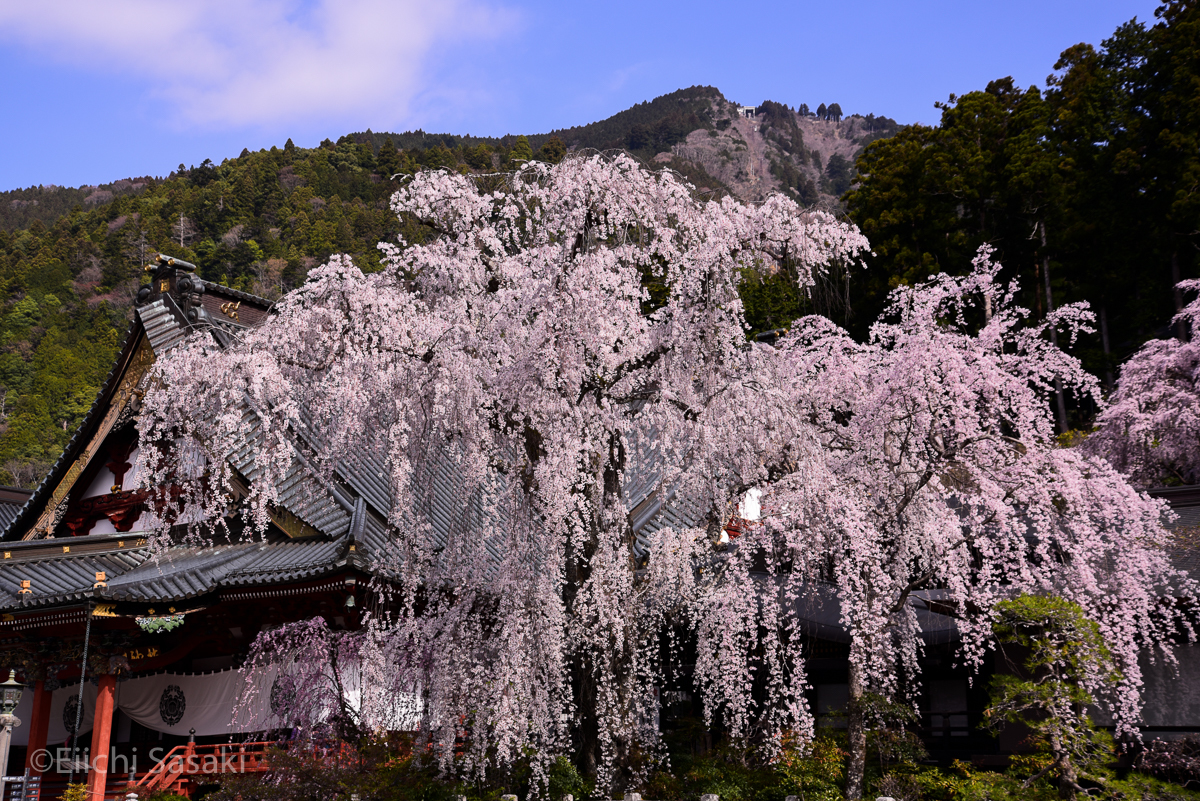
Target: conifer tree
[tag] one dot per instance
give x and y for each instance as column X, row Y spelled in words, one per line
column 552, row 150
column 521, row 151
column 388, row 161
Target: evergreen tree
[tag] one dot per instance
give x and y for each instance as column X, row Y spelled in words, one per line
column 822, row 113
column 1059, row 659
column 479, row 157
column 839, row 174
column 521, row 151
column 388, row 161
column 552, row 150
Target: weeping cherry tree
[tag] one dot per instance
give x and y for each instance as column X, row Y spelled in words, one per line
column 920, row 471
column 539, row 339
column 1151, row 430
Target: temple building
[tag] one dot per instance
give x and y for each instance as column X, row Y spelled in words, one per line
column 166, row 630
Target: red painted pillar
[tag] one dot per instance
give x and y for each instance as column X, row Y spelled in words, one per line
column 39, row 729
column 101, row 729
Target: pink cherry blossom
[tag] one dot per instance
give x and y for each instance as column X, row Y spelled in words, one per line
column 1151, row 429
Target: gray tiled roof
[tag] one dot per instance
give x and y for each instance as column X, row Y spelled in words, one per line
column 178, row 574
column 62, row 578
column 188, row 572
column 1185, row 503
column 9, row 509
column 164, row 324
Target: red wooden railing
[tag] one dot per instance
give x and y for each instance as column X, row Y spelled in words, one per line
column 187, row 766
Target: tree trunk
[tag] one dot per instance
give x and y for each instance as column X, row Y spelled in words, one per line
column 1060, row 401
column 586, row 733
column 1181, row 331
column 856, row 764
column 583, row 680
column 1068, row 780
column 606, row 496
column 587, row 759
column 1109, row 383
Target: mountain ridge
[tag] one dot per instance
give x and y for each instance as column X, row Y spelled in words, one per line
column 667, row 130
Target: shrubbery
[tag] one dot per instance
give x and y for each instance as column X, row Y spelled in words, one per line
column 388, row 772
column 1174, row 761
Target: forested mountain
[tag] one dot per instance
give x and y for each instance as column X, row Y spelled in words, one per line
column 20, row 207
column 257, row 222
column 1086, row 190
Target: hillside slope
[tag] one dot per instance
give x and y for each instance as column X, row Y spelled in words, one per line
column 778, row 150
column 71, row 258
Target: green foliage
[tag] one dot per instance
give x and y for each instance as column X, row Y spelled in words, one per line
column 75, row 792
column 663, row 121
column 553, row 150
column 772, row 301
column 376, row 771
column 816, row 772
column 963, row 782
column 386, row 770
column 1062, row 649
column 889, row 742
column 20, row 208
column 929, row 197
column 154, row 625
column 772, row 298
column 839, row 174
column 479, row 157
column 564, row 779
column 878, row 128
column 729, row 772
column 776, row 115
column 521, row 150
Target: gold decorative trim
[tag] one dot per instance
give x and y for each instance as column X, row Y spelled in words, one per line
column 292, row 525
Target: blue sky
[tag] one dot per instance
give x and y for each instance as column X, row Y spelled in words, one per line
column 96, row 91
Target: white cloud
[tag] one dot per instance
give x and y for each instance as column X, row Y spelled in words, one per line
column 222, row 63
